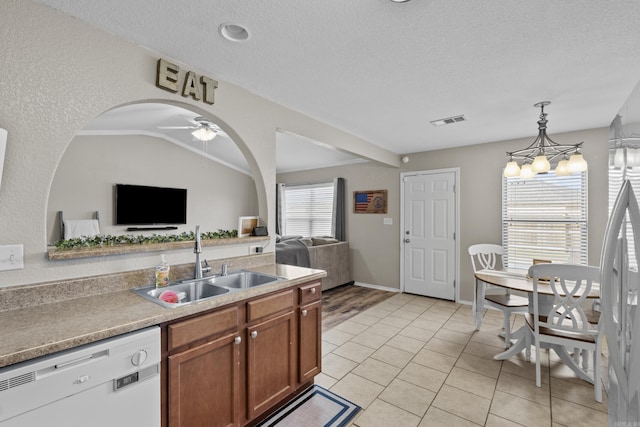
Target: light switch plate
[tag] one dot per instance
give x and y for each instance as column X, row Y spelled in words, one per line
column 11, row 257
column 387, row 221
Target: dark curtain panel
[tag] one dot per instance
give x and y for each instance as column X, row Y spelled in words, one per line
column 279, row 207
column 339, row 209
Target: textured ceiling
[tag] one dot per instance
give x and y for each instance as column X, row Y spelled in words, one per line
column 382, row 70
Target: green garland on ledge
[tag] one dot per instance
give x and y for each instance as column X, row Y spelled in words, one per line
column 130, row 239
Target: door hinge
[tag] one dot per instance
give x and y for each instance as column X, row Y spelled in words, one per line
column 454, row 283
column 454, row 235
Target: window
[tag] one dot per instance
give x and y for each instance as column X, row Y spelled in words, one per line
column 308, row 210
column 618, row 172
column 544, row 217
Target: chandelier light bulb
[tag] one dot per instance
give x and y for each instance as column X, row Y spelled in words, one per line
column 633, row 157
column 526, row 172
column 541, row 164
column 577, row 163
column 512, row 169
column 563, row 168
column 618, row 159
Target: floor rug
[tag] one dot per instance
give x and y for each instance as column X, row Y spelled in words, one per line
column 315, row 407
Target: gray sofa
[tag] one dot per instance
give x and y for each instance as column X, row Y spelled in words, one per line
column 321, row 253
column 334, row 259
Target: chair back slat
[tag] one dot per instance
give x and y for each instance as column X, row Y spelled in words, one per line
column 485, row 256
column 570, row 284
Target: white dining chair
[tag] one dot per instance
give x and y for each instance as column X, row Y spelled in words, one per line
column 561, row 319
column 486, row 256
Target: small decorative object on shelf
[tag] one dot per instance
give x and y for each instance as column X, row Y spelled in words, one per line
column 246, row 224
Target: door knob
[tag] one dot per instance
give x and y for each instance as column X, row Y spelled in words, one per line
column 254, row 334
column 238, row 340
column 304, row 312
column 407, row 240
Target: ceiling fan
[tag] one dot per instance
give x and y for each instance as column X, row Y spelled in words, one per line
column 203, row 129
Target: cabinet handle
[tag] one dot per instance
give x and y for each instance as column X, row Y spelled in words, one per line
column 304, row 312
column 238, row 340
column 313, row 290
column 254, row 334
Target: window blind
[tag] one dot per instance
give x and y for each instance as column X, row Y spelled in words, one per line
column 544, row 217
column 308, row 209
column 616, row 177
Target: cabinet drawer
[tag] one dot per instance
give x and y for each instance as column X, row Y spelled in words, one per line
column 269, row 305
column 309, row 293
column 182, row 333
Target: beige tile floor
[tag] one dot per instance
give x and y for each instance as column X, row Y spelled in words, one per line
column 417, row 361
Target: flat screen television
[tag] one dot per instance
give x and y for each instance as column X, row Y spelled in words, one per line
column 145, row 205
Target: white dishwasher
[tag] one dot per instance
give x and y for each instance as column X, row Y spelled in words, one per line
column 111, row 382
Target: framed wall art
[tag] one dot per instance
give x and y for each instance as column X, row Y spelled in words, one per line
column 372, row 201
column 246, row 225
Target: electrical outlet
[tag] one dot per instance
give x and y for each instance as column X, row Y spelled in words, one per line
column 11, row 257
column 255, row 250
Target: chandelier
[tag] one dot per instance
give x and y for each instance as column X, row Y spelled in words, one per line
column 537, row 157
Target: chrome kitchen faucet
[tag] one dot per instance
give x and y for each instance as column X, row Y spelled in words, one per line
column 197, row 250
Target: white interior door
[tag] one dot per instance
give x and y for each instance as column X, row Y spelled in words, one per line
column 428, row 239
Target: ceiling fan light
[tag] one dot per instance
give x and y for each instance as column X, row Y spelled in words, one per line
column 204, row 134
column 563, row 168
column 511, row 170
column 541, row 164
column 526, row 172
column 577, row 163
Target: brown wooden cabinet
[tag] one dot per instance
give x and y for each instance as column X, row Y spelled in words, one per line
column 309, row 341
column 204, row 370
column 204, row 384
column 309, row 331
column 270, row 363
column 229, row 366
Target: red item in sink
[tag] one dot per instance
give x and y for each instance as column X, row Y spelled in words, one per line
column 169, row 296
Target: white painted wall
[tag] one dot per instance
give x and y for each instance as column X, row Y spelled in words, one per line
column 91, row 166
column 58, row 73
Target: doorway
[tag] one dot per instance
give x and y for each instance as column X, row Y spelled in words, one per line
column 429, row 248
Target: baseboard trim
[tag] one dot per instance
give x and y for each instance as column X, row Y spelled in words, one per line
column 378, row 287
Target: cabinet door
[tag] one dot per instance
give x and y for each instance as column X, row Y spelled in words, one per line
column 271, row 363
column 310, row 338
column 204, row 384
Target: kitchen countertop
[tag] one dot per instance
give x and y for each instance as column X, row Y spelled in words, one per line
column 43, row 329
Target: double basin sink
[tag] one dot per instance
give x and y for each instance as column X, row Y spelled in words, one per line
column 196, row 290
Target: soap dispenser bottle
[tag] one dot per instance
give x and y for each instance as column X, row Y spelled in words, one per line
column 162, row 273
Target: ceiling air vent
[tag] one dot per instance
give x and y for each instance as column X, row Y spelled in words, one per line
column 449, row 120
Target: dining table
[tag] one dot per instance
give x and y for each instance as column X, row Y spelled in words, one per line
column 519, row 281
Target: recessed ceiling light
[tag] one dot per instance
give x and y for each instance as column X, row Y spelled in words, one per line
column 399, row 1
column 449, row 120
column 234, row 32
